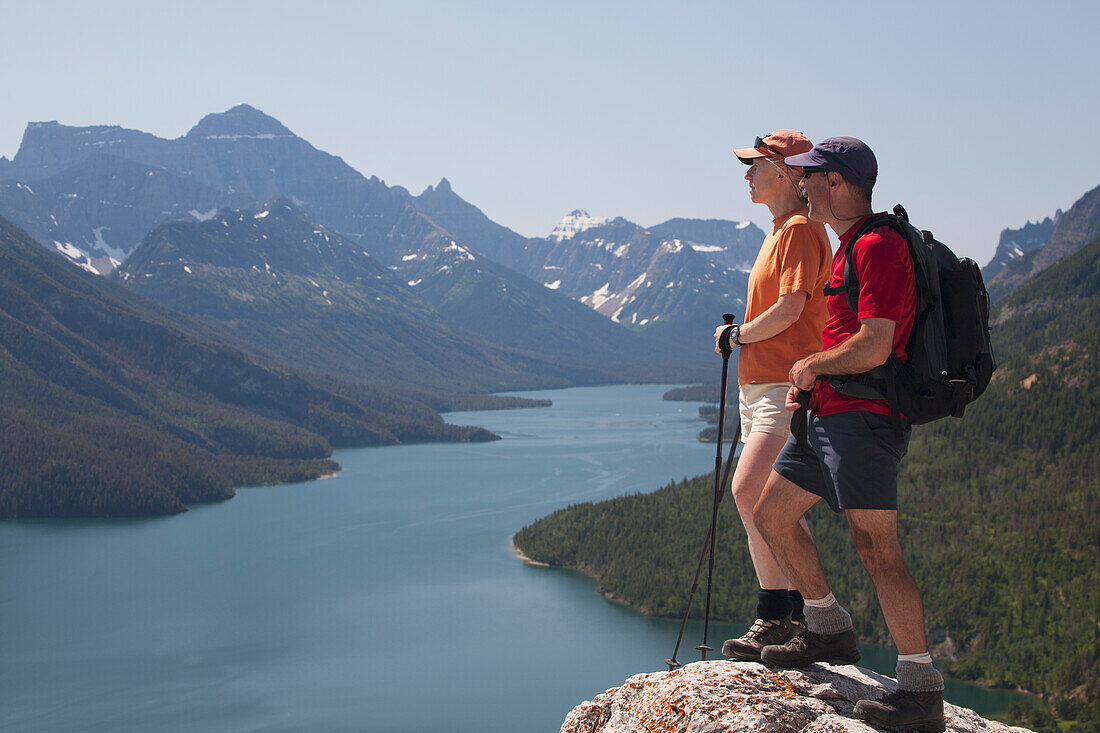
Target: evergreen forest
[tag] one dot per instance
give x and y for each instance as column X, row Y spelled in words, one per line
column 111, row 405
column 999, row 519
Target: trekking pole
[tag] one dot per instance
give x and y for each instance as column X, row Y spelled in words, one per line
column 671, row 662
column 725, row 347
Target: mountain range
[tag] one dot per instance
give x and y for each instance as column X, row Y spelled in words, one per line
column 114, row 406
column 97, row 211
column 664, row 281
column 1027, row 253
column 251, row 241
column 292, row 289
column 1016, row 244
column 249, row 158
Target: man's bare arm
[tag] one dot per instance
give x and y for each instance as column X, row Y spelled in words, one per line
column 866, row 349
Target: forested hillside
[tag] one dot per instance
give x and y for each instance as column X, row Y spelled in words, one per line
column 113, row 406
column 999, row 516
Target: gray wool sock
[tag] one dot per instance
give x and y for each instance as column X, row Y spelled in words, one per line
column 826, row 616
column 915, row 677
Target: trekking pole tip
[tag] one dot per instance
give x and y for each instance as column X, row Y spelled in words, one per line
column 672, row 664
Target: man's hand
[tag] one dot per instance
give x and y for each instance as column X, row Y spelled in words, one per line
column 802, row 374
column 792, row 399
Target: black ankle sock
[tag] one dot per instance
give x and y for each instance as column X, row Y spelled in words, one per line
column 798, row 605
column 772, row 605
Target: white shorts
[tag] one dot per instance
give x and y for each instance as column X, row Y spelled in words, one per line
column 763, row 409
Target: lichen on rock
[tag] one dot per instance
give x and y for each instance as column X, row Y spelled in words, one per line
column 720, row 696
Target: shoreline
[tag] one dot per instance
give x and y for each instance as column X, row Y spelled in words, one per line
column 519, row 554
column 626, row 603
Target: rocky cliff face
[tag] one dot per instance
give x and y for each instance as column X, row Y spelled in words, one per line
column 1015, row 244
column 1072, row 230
column 738, row 696
column 241, row 151
column 662, row 280
column 96, row 212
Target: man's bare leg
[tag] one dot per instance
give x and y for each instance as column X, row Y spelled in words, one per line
column 875, row 532
column 829, row 637
column 918, row 702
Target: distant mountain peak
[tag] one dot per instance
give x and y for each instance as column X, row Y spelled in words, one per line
column 443, row 187
column 242, row 121
column 576, row 222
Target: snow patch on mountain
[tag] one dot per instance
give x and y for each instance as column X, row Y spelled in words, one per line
column 454, row 247
column 706, row 248
column 612, row 304
column 261, row 136
column 600, row 296
column 100, row 243
column 68, row 250
column 576, row 222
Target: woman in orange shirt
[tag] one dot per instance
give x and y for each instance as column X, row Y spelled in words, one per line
column 784, row 316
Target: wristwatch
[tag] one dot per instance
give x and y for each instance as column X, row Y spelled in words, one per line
column 735, row 335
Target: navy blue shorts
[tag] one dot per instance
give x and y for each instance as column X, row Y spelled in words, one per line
column 850, row 460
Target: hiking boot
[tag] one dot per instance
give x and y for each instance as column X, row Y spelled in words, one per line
column 762, row 633
column 798, row 625
column 904, row 710
column 808, row 647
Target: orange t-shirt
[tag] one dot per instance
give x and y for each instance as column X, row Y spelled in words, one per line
column 795, row 255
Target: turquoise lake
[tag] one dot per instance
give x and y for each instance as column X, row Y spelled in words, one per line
column 386, row 598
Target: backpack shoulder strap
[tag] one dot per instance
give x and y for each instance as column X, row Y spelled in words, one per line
column 850, row 284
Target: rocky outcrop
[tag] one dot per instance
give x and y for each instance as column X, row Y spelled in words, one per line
column 96, row 212
column 708, row 697
column 1015, row 244
column 1073, row 229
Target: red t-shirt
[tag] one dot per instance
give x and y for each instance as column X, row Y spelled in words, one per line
column 886, row 290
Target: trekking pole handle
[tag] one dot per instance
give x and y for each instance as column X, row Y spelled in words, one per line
column 724, row 344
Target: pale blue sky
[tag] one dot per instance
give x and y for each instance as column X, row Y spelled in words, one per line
column 983, row 115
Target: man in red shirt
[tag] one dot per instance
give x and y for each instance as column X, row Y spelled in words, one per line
column 851, row 454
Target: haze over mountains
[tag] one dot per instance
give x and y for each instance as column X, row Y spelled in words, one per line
column 302, row 265
column 1024, row 253
column 295, row 290
column 94, row 192
column 286, row 259
column 243, row 157
column 114, row 406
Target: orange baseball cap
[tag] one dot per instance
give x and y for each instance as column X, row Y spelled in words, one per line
column 781, row 143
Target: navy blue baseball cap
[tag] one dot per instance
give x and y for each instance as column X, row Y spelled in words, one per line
column 847, row 156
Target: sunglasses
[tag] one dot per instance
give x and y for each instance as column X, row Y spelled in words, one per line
column 809, row 170
column 761, row 145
